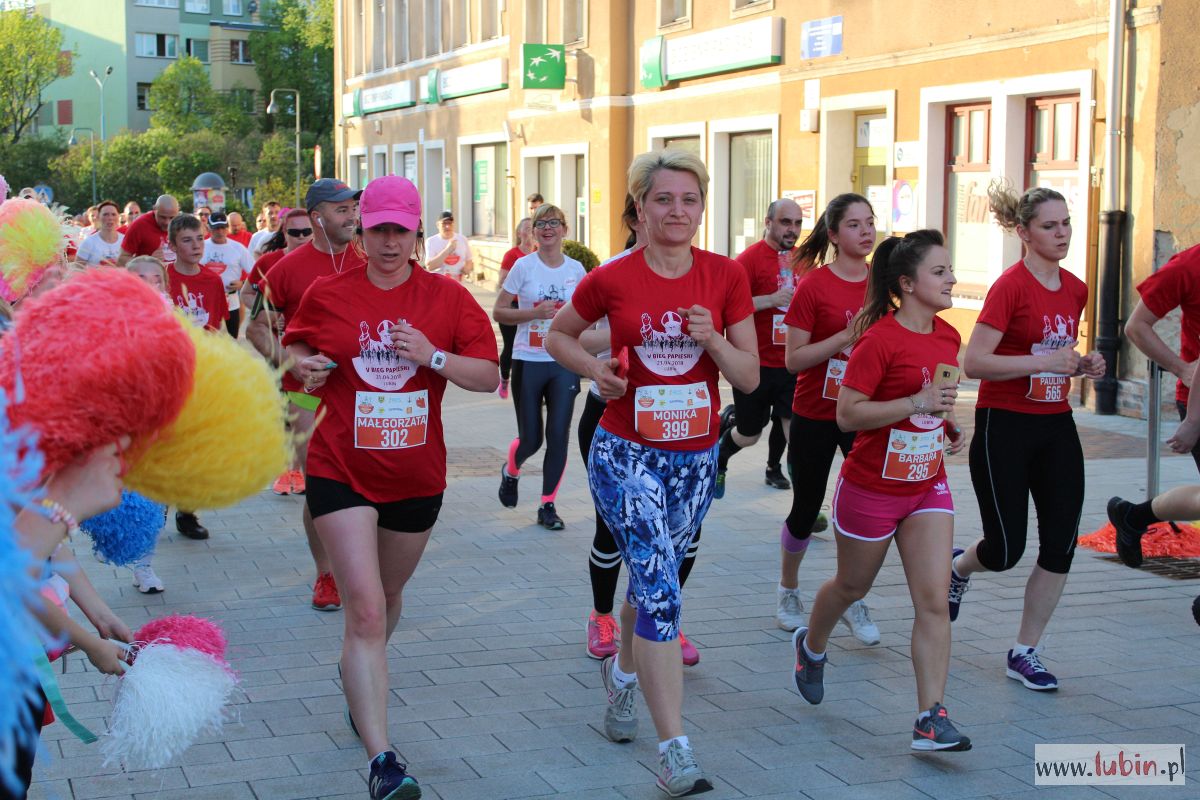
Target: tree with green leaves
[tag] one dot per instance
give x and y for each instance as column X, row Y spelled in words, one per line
column 33, row 59
column 184, row 101
column 296, row 52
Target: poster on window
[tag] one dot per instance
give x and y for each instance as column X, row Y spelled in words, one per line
column 807, row 200
column 904, row 206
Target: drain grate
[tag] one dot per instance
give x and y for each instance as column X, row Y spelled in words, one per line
column 1177, row 569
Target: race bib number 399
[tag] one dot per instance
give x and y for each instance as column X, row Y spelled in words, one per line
column 391, row 421
column 672, row 413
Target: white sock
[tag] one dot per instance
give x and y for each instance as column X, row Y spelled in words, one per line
column 954, row 566
column 622, row 679
column 924, row 715
column 372, row 761
column 785, row 590
column 811, row 654
column 662, row 746
column 1021, row 649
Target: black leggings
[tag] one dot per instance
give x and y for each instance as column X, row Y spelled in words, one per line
column 509, row 334
column 234, row 322
column 604, row 563
column 538, row 381
column 1013, row 456
column 810, row 456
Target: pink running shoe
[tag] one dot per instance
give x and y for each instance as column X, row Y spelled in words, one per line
column 691, row 656
column 602, row 634
column 503, row 390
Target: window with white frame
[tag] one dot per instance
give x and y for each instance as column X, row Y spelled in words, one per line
column 433, row 27
column 400, row 33
column 239, row 51
column 1052, row 156
column 406, row 165
column 749, row 187
column 574, row 21
column 156, row 45
column 143, row 97
column 196, row 6
column 968, row 172
column 379, row 37
column 198, row 49
column 233, row 8
column 489, row 190
column 673, row 12
column 460, row 23
column 740, row 5
column 379, row 168
column 158, row 3
column 489, row 20
column 535, row 21
column 358, row 171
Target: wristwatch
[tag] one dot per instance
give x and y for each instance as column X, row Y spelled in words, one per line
column 437, row 360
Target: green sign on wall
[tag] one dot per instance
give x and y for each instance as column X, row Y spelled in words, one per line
column 482, row 187
column 651, row 60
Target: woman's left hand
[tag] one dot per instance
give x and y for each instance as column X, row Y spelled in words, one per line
column 699, row 325
column 958, row 437
column 1092, row 366
column 411, row 343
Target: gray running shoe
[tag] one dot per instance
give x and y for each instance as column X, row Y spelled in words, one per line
column 858, row 619
column 679, row 774
column 620, row 716
column 789, row 614
column 810, row 674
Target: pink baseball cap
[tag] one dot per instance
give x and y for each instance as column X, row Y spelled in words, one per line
column 390, row 199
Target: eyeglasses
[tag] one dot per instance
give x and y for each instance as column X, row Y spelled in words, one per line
column 548, row 223
column 299, row 232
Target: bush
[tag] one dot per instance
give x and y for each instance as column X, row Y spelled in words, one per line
column 581, row 253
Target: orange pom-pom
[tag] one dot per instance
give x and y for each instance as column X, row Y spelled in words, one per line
column 93, row 360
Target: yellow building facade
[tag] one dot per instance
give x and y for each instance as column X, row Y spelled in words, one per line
column 917, row 106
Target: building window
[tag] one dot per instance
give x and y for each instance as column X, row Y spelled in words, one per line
column 749, row 187
column 143, row 97
column 762, row 5
column 433, row 27
column 379, row 37
column 535, row 21
column 400, row 32
column 66, row 112
column 688, row 144
column 574, row 17
column 968, row 171
column 233, row 8
column 489, row 20
column 489, row 190
column 158, row 3
column 198, row 49
column 156, row 45
column 408, row 166
column 1052, row 156
column 358, row 171
column 673, row 12
column 239, row 51
column 243, row 100
column 460, row 23
column 196, row 6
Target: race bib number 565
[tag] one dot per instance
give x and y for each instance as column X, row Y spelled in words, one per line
column 391, row 421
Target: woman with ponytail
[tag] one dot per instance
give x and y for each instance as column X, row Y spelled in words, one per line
column 898, row 392
column 1023, row 351
column 818, row 343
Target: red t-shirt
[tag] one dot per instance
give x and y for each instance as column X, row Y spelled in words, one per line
column 263, row 265
column 285, row 283
column 768, row 270
column 1177, row 285
column 823, row 305
column 242, row 238
column 143, row 237
column 888, row 362
column 510, row 258
column 672, row 401
column 382, row 430
column 1034, row 320
column 201, row 297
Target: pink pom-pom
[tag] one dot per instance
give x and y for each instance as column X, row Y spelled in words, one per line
column 95, row 359
column 181, row 631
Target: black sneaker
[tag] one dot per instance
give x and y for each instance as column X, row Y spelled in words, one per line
column 548, row 518
column 728, row 420
column 508, row 489
column 810, row 674
column 775, row 479
column 187, row 524
column 937, row 732
column 1196, row 610
column 389, row 781
column 1129, row 538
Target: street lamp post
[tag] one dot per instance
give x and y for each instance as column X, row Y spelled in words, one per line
column 74, row 141
column 100, row 83
column 272, row 109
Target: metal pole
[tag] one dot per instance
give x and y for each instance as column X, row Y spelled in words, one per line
column 297, row 149
column 1153, row 426
column 92, row 139
column 101, row 110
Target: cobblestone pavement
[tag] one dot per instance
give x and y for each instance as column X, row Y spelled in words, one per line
column 493, row 697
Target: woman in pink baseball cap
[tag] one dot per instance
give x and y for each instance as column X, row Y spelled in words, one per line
column 380, row 344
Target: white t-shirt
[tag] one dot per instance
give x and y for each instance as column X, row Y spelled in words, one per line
column 260, row 239
column 237, row 261
column 456, row 261
column 93, row 250
column 531, row 282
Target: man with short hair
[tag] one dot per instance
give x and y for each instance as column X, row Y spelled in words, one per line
column 534, row 200
column 449, row 252
column 147, row 235
column 263, row 235
column 238, row 232
column 233, row 260
column 131, row 212
column 333, row 215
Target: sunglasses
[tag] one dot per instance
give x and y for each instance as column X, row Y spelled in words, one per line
column 299, row 232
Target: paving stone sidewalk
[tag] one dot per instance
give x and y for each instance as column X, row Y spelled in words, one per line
column 493, row 696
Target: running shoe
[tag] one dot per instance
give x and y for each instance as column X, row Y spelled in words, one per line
column 508, row 489
column 691, row 656
column 719, row 491
column 503, row 389
column 858, row 619
column 789, row 613
column 602, row 635
column 1129, row 538
column 390, row 780
column 1196, row 610
column 146, row 580
column 548, row 518
column 775, row 479
column 937, row 732
column 189, row 525
column 810, row 673
column 297, row 481
column 679, row 774
column 958, row 586
column 325, row 595
column 620, row 715
column 283, row 484
column 820, row 523
column 1028, row 669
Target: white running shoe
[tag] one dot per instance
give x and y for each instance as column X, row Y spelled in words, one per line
column 789, row 614
column 146, row 580
column 858, row 620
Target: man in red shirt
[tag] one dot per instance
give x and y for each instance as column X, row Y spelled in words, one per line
column 147, row 235
column 237, row 230
column 333, row 216
column 768, row 266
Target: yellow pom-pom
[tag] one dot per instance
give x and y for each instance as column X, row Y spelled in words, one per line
column 229, row 441
column 31, row 239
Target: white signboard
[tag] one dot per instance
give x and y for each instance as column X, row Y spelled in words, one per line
column 486, row 76
column 392, row 95
column 749, row 44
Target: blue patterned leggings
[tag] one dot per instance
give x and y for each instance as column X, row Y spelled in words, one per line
column 653, row 501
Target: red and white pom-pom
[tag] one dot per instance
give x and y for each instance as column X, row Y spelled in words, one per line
column 196, row 633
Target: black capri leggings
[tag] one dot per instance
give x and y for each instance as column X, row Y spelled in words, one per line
column 1014, row 456
column 812, row 444
column 509, row 334
column 547, row 381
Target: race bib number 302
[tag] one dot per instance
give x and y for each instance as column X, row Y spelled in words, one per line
column 391, row 421
column 672, row 413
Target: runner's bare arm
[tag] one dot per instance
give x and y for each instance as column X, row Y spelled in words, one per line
column 982, row 362
column 261, row 333
column 564, row 346
column 801, row 352
column 736, row 353
column 1140, row 330
column 596, row 341
column 858, row 412
column 504, row 313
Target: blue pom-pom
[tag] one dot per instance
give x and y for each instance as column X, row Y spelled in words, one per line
column 126, row 533
column 20, row 464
